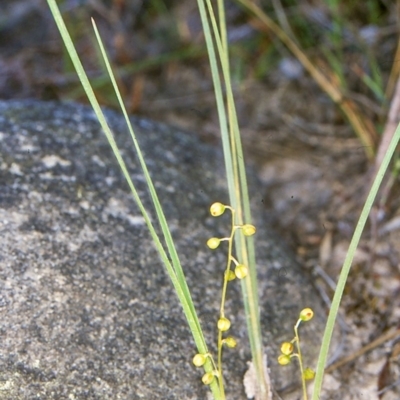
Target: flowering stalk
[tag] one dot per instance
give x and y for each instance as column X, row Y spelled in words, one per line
column 240, row 272
column 287, row 350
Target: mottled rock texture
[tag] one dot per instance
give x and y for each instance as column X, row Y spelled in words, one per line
column 87, row 310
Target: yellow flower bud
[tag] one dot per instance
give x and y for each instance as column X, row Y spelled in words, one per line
column 248, row 230
column 241, row 271
column 306, row 314
column 230, row 275
column 208, row 378
column 230, row 342
column 217, row 209
column 284, row 359
column 199, row 359
column 287, row 348
column 308, row 374
column 224, row 324
column 213, row 243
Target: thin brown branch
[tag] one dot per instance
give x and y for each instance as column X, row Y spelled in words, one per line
column 360, row 123
column 389, row 335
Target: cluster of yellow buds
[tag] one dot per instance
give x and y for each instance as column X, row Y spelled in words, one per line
column 287, row 349
column 241, row 270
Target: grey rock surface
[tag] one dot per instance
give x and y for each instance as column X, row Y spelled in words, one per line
column 87, row 310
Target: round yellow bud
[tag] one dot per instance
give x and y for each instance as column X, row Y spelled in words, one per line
column 199, row 359
column 224, row 324
column 230, row 342
column 230, row 275
column 241, row 271
column 284, row 359
column 217, row 209
column 213, row 243
column 208, row 378
column 248, row 230
column 287, row 348
column 308, row 374
column 306, row 314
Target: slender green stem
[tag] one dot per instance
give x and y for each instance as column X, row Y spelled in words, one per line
column 303, row 381
column 223, row 299
column 220, row 377
column 228, row 265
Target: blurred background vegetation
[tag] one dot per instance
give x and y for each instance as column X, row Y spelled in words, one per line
column 157, row 48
